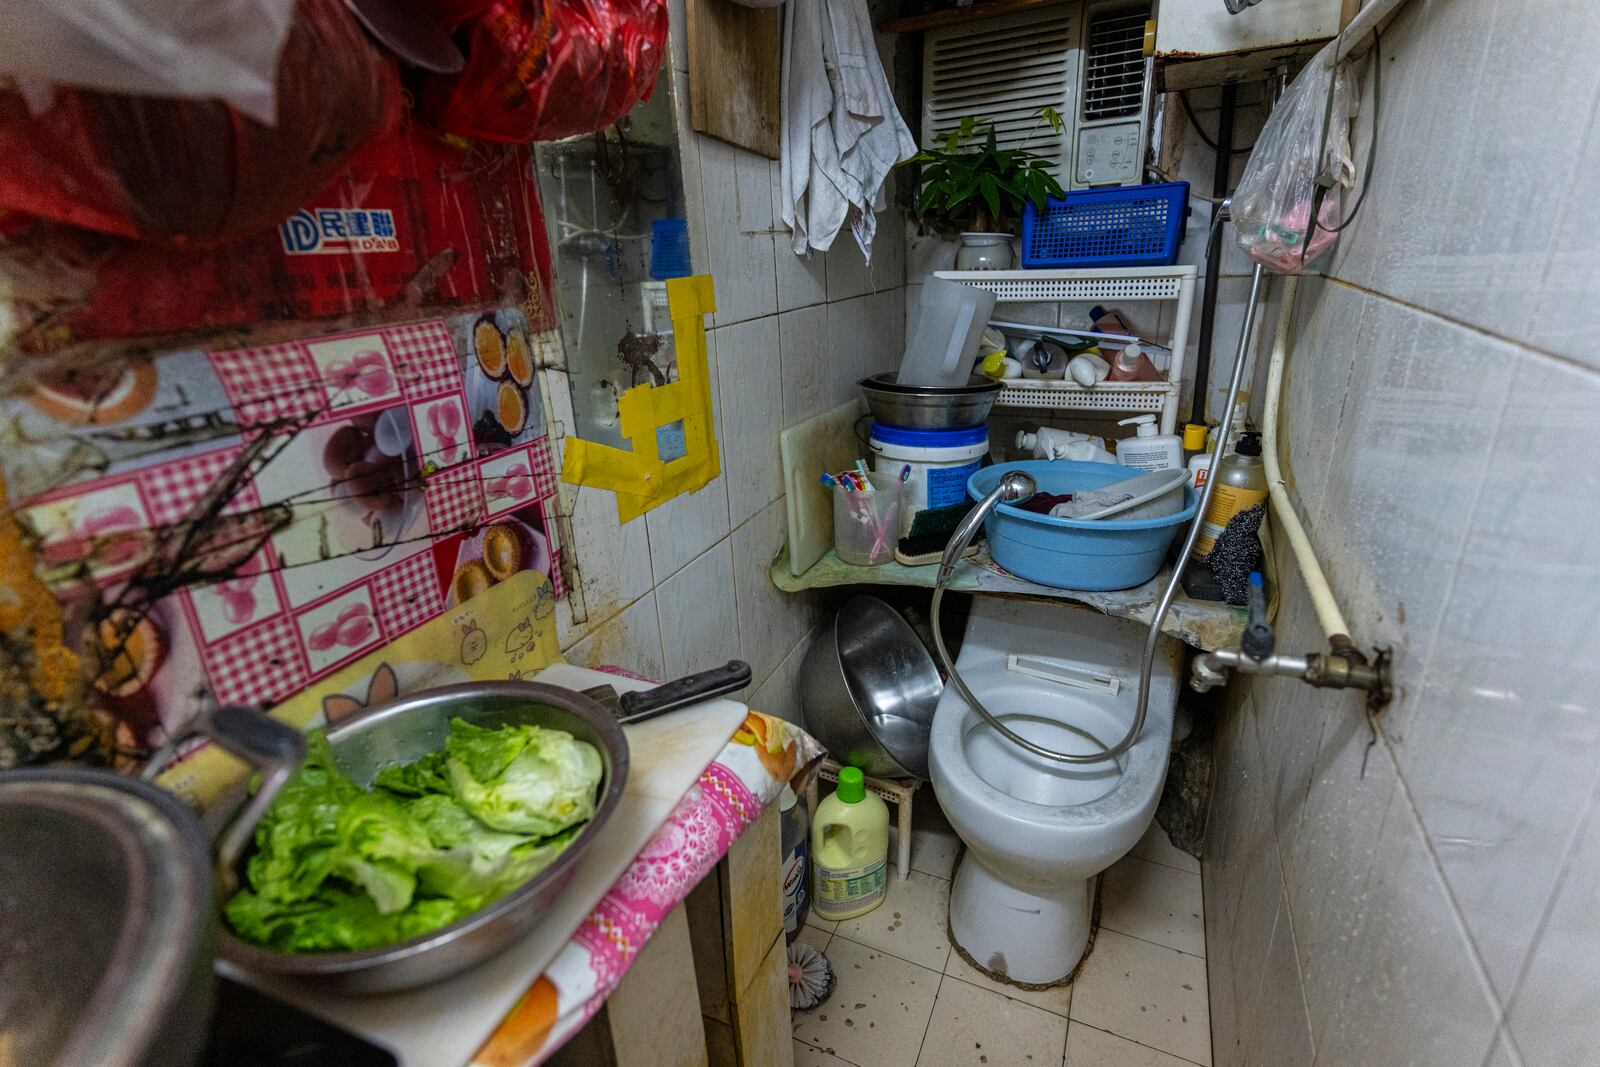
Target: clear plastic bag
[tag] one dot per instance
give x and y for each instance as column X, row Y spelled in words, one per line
column 223, row 49
column 1300, row 165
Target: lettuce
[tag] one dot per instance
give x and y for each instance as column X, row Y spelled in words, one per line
column 522, row 779
column 338, row 868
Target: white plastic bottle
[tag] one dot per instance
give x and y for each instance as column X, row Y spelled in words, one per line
column 1148, row 450
column 850, row 848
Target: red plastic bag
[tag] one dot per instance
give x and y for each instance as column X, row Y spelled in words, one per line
column 198, row 170
column 540, row 70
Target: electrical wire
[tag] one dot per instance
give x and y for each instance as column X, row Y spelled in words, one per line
column 1372, row 144
column 1188, row 109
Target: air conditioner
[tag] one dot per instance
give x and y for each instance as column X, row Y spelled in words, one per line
column 1085, row 59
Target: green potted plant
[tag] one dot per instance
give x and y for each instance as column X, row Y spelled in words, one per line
column 972, row 186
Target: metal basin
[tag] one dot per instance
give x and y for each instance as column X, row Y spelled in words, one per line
column 105, row 922
column 917, row 407
column 407, row 729
column 870, row 691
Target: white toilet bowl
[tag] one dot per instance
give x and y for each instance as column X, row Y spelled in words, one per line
column 1038, row 831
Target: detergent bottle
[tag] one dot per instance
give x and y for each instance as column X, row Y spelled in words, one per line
column 850, row 850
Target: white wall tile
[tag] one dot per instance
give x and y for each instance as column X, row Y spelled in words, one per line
column 736, row 197
column 804, row 352
column 771, row 622
column 1552, row 1016
column 1510, row 687
column 1277, row 1031
column 613, row 558
column 780, row 694
column 751, row 379
column 630, row 639
column 699, row 617
column 847, row 272
column 802, row 281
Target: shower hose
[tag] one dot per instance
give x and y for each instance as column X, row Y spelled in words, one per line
column 1018, row 485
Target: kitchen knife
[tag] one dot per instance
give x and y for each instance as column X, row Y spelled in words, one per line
column 639, row 705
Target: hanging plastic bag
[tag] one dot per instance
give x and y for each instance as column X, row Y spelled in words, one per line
column 223, row 49
column 200, row 170
column 541, row 70
column 1298, row 169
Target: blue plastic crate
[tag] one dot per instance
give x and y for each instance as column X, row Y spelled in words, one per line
column 1130, row 226
column 669, row 249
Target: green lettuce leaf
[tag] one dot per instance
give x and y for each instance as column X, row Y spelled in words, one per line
column 297, row 840
column 337, row 919
column 523, row 779
column 415, row 779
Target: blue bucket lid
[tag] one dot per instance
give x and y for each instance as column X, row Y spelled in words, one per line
column 897, row 435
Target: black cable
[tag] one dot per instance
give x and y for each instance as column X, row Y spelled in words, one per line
column 1194, row 122
column 1372, row 146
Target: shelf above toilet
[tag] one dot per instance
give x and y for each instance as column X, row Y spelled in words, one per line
column 1204, row 624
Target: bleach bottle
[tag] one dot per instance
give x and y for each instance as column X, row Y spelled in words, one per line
column 850, row 848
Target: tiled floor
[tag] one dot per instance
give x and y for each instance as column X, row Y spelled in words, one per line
column 904, row 998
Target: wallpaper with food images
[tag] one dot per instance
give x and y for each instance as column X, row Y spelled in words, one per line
column 236, row 525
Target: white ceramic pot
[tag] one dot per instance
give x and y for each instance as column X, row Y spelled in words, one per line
column 984, row 251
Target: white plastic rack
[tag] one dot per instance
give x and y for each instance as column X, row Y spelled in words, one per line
column 1120, row 285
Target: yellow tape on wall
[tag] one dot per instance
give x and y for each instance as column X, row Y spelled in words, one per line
column 638, row 475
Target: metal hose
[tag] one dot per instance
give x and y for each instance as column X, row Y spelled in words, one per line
column 1018, row 485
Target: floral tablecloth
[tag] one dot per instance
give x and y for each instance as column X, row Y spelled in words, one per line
column 762, row 756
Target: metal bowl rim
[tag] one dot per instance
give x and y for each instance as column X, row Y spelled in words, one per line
column 884, row 383
column 320, row 964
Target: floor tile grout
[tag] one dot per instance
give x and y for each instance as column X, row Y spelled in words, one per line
column 874, row 948
column 1159, row 863
column 1024, row 1003
column 929, row 1024
column 1146, row 940
column 1124, row 1037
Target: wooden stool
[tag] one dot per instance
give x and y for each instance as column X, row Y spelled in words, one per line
column 895, row 791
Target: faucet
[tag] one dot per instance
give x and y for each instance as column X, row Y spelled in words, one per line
column 1343, row 666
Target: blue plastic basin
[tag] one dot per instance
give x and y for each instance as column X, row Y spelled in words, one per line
column 1084, row 554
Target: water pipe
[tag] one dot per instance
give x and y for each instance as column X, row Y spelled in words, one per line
column 1328, row 613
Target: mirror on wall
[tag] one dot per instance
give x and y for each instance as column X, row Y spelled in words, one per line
column 614, row 209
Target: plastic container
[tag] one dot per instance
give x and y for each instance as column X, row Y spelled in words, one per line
column 941, row 461
column 1148, row 449
column 866, row 525
column 669, row 249
column 850, row 849
column 1132, row 365
column 1086, row 554
column 796, row 863
column 944, row 342
column 1241, row 485
column 1130, row 226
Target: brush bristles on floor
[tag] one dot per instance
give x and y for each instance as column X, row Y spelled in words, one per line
column 810, row 977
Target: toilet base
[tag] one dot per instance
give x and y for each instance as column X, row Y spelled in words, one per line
column 1016, row 933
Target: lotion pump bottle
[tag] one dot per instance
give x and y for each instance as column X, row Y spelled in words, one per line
column 1149, row 450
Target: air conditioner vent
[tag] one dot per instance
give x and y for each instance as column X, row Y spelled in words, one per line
column 1113, row 78
column 1003, row 70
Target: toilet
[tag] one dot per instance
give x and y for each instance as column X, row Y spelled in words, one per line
column 1038, row 831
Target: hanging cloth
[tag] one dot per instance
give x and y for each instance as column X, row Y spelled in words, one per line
column 842, row 133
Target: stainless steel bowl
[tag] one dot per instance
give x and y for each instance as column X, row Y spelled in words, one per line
column 404, row 730
column 870, row 689
column 105, row 922
column 917, row 407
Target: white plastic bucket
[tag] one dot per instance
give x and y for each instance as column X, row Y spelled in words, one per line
column 941, row 461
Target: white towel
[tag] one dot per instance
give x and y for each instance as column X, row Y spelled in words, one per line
column 842, row 133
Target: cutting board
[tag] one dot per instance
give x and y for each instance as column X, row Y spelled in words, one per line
column 735, row 55
column 825, row 443
column 443, row 1025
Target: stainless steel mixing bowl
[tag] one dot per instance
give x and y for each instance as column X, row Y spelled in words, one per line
column 917, row 407
column 404, row 730
column 105, row 922
column 869, row 689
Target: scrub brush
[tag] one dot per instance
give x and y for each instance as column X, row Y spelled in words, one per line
column 810, row 976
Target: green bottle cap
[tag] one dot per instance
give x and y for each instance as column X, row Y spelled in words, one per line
column 852, row 785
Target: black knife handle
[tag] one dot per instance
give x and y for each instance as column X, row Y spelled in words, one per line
column 691, row 689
